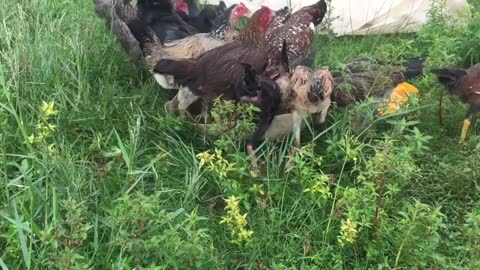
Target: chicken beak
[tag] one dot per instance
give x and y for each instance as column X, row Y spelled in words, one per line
column 466, row 126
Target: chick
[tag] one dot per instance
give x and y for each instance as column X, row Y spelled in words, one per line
column 309, row 94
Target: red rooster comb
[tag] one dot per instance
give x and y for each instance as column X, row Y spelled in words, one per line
column 241, row 9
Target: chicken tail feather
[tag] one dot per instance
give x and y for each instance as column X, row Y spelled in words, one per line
column 182, row 70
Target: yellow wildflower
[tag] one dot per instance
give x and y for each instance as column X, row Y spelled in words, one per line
column 51, row 148
column 204, row 157
column 236, row 222
column 227, row 220
column 242, row 220
column 216, row 163
column 43, row 128
column 245, row 235
column 48, row 109
column 232, row 203
column 348, row 232
column 320, row 187
column 218, row 152
column 31, row 139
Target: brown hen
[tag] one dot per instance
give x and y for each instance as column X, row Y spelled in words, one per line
column 296, row 32
column 189, row 47
column 219, row 72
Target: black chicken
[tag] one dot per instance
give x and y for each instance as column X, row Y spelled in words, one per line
column 163, row 18
column 203, row 20
column 177, row 19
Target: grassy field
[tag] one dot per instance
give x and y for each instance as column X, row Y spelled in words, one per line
column 94, row 175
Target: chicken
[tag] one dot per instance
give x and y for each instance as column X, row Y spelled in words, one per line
column 189, row 47
column 162, row 16
column 103, row 9
column 123, row 12
column 399, row 95
column 464, row 84
column 367, row 77
column 117, row 12
column 281, row 16
column 309, row 93
column 296, row 31
column 266, row 94
column 219, row 72
column 204, row 19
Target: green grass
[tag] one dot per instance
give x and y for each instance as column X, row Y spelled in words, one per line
column 117, row 184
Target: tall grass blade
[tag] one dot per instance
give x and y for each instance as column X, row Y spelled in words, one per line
column 22, row 238
column 3, row 265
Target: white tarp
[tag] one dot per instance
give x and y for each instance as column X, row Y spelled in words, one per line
column 361, row 17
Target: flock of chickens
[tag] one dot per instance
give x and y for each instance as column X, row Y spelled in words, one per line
column 268, row 63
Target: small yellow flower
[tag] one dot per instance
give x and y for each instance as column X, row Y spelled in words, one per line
column 227, row 220
column 218, row 152
column 236, row 222
column 202, row 158
column 232, row 203
column 242, row 220
column 43, row 128
column 245, row 235
column 48, row 109
column 348, row 232
column 51, row 148
column 31, row 139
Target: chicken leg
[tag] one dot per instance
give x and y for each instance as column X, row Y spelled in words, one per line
column 172, row 106
column 185, row 98
column 469, row 118
column 266, row 118
column 466, row 126
column 297, row 126
column 322, row 117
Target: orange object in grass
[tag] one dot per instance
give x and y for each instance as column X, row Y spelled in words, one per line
column 398, row 97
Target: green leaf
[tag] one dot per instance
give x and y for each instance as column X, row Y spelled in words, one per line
column 21, row 235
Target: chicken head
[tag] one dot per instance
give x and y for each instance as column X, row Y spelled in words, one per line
column 181, row 6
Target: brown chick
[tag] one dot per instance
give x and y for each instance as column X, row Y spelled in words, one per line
column 464, row 84
column 309, row 94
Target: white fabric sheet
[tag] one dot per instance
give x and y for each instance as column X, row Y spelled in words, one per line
column 362, row 17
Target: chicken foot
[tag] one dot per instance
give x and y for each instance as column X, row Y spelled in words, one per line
column 469, row 118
